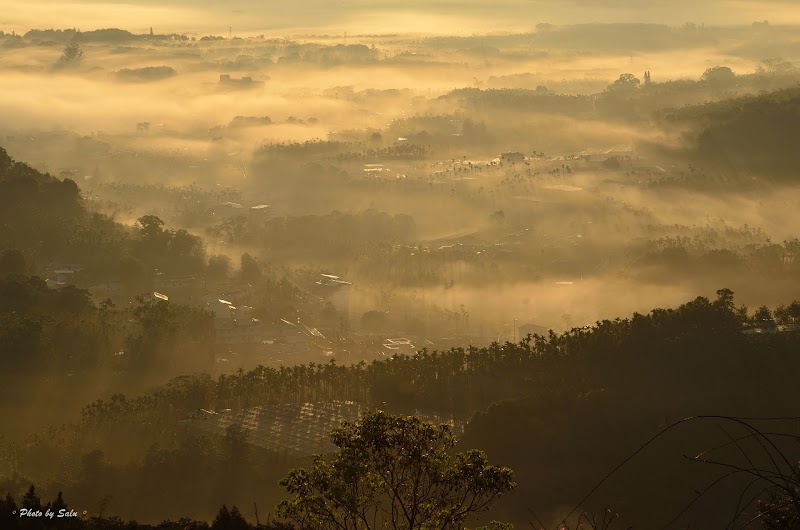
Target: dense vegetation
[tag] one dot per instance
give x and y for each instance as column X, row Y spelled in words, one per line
column 638, row 371
column 751, row 133
column 509, row 179
column 393, row 471
column 47, row 218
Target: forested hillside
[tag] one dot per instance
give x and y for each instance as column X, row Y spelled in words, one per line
column 552, row 396
column 751, row 133
column 46, row 218
column 391, row 266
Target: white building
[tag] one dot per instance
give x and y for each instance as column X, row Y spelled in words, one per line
column 260, row 210
column 62, row 274
column 336, row 291
column 223, row 310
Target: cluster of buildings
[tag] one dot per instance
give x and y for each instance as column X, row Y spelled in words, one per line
column 619, row 150
column 234, row 209
column 59, row 275
column 242, row 340
column 239, row 336
column 772, row 328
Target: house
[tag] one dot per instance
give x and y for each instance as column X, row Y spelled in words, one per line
column 532, row 329
column 296, row 336
column 373, row 168
column 260, row 210
column 244, row 316
column 60, row 278
column 229, row 209
column 181, row 288
column 251, row 336
column 73, row 267
column 336, row 291
column 223, row 310
column 620, row 150
column 780, row 328
column 63, row 274
column 331, row 280
column 237, row 294
column 398, row 346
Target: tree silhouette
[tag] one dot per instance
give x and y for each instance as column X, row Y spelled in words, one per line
column 230, row 520
column 626, row 83
column 238, row 522
column 223, row 519
column 150, row 225
column 59, row 503
column 31, row 501
column 8, row 513
column 250, row 270
column 219, row 266
column 763, row 317
column 719, row 77
column 71, row 56
column 393, row 471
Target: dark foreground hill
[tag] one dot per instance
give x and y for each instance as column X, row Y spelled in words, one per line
column 561, row 410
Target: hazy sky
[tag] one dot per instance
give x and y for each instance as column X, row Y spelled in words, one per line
column 377, row 16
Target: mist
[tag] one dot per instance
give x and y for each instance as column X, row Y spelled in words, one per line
column 514, row 218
